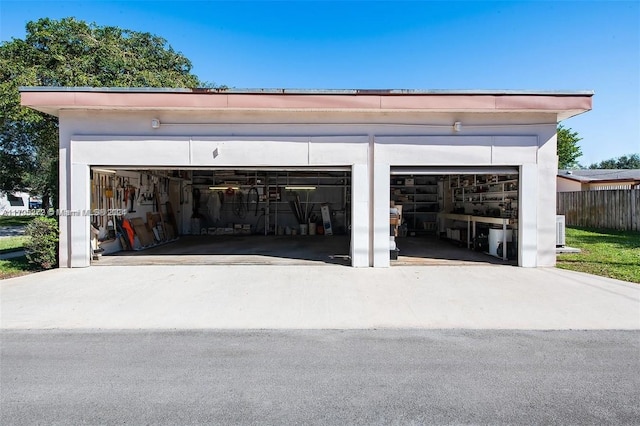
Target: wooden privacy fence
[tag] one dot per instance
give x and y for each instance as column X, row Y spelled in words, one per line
column 609, row 209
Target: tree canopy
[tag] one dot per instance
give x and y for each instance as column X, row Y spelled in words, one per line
column 568, row 149
column 69, row 52
column 631, row 161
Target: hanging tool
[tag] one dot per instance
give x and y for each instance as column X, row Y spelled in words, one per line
column 253, row 190
column 132, row 196
column 159, row 208
column 239, row 206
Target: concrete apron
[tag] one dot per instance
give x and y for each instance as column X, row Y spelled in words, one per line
column 317, row 297
column 297, row 250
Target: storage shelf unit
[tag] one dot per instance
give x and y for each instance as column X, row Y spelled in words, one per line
column 486, row 195
column 418, row 197
column 481, row 199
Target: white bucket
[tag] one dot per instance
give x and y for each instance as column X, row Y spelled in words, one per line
column 303, row 229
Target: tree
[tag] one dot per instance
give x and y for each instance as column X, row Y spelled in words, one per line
column 69, row 52
column 568, row 149
column 631, row 161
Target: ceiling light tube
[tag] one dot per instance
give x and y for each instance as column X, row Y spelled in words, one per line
column 223, row 188
column 299, row 188
column 104, row 171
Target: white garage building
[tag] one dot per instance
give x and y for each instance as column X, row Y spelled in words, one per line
column 462, row 164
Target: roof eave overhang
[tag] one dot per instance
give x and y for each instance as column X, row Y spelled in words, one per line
column 54, row 100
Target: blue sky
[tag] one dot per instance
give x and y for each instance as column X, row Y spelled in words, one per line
column 539, row 45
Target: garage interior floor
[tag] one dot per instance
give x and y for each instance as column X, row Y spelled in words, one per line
column 429, row 250
column 291, row 250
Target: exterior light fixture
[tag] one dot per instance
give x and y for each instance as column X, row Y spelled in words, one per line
column 457, row 126
column 155, row 123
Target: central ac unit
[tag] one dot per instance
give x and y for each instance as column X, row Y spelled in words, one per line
column 560, row 231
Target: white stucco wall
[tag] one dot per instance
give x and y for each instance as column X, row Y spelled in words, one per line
column 368, row 143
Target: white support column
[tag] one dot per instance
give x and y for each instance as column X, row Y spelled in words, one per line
column 528, row 216
column 63, row 204
column 79, row 219
column 360, row 225
column 381, row 188
column 547, row 175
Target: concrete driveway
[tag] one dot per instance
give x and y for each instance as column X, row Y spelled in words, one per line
column 317, row 297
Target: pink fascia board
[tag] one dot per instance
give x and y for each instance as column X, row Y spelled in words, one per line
column 272, row 101
column 439, row 102
column 51, row 99
column 96, row 100
column 151, row 100
column 543, row 103
column 54, row 101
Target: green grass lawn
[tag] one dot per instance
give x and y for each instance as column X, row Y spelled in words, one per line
column 608, row 253
column 13, row 243
column 19, row 265
column 15, row 267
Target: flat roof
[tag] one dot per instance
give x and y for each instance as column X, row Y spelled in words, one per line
column 308, row 91
column 53, row 99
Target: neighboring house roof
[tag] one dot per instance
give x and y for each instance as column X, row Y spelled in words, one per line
column 601, row 175
column 51, row 100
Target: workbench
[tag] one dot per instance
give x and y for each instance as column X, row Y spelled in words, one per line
column 471, row 225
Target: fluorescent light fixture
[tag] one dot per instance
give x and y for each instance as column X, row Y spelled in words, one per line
column 104, row 171
column 223, row 188
column 299, row 188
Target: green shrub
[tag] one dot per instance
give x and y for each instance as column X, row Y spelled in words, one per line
column 42, row 247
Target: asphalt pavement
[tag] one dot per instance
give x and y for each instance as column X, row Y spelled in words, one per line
column 11, row 231
column 320, row 377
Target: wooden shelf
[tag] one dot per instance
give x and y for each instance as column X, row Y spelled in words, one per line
column 491, row 192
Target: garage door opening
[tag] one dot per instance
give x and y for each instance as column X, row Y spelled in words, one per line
column 221, row 216
column 451, row 216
